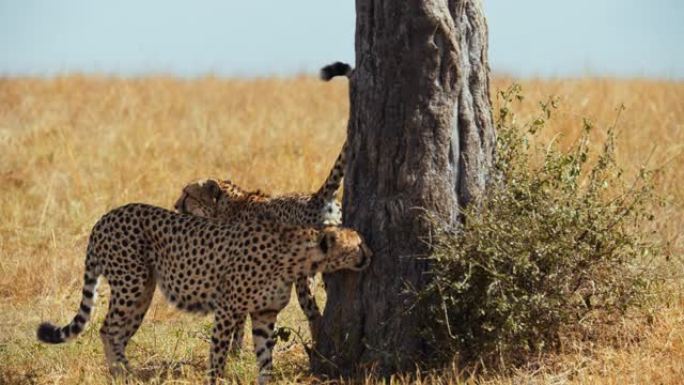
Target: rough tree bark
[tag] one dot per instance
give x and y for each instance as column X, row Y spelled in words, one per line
column 421, row 139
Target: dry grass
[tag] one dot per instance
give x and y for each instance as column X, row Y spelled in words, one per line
column 73, row 147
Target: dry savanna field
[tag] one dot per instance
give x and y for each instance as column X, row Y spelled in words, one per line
column 73, row 147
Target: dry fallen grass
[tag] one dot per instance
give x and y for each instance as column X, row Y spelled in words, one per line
column 73, row 147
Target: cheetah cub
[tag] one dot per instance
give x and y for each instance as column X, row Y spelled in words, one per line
column 201, row 265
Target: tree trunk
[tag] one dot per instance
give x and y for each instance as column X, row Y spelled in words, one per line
column 421, row 140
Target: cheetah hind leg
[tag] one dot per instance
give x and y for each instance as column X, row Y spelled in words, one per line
column 125, row 314
column 237, row 339
column 226, row 320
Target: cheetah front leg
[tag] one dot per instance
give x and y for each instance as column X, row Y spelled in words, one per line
column 263, row 326
column 307, row 302
column 226, row 320
column 238, row 336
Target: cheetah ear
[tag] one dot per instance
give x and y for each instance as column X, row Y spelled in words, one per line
column 327, row 241
column 212, row 187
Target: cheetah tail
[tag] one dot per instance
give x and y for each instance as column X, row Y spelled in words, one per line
column 335, row 69
column 52, row 334
column 332, row 183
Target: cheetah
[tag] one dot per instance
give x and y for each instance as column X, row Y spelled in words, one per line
column 230, row 269
column 224, row 199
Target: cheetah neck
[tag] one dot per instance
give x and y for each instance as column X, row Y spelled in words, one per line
column 303, row 246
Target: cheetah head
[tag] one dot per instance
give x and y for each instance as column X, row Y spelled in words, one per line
column 219, row 199
column 200, row 198
column 340, row 248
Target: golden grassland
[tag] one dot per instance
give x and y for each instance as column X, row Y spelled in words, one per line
column 73, row 147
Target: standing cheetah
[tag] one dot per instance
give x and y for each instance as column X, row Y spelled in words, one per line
column 246, row 266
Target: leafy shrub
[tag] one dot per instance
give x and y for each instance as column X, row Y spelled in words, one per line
column 558, row 244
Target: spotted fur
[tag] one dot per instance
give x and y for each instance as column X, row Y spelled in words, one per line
column 245, row 266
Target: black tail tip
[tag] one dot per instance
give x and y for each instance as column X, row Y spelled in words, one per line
column 335, row 69
column 49, row 333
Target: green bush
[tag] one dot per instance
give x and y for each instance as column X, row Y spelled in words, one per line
column 558, row 245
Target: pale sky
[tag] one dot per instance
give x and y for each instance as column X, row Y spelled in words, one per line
column 260, row 37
